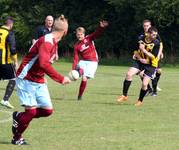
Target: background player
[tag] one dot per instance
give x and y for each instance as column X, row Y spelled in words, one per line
column 44, row 29
column 8, row 59
column 145, row 59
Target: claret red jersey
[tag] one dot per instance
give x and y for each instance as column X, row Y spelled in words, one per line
column 86, row 48
column 37, row 62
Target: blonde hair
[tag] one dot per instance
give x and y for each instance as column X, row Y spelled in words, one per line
column 80, row 29
column 60, row 24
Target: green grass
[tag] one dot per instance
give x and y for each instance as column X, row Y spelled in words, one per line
column 98, row 122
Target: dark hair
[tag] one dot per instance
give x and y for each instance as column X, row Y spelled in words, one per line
column 152, row 29
column 8, row 20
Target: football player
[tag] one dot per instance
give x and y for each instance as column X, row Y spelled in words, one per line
column 146, row 58
column 85, row 49
column 31, row 87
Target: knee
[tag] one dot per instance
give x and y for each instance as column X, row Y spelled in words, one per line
column 144, row 86
column 159, row 71
column 48, row 112
column 84, row 78
column 31, row 112
column 129, row 76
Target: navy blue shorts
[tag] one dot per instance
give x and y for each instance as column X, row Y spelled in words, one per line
column 148, row 69
column 7, row 71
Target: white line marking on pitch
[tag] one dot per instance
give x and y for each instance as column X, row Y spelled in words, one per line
column 7, row 119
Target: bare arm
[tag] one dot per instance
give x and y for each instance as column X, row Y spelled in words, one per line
column 160, row 54
column 102, row 25
column 142, row 48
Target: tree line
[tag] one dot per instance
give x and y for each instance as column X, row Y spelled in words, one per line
column 124, row 16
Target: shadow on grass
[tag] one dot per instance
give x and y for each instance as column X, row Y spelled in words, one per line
column 5, row 142
column 63, row 98
column 105, row 93
column 113, row 103
column 2, row 89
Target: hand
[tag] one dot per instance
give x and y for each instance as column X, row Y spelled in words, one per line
column 161, row 56
column 45, row 80
column 66, row 80
column 56, row 57
column 103, row 23
column 142, row 46
column 134, row 57
column 143, row 61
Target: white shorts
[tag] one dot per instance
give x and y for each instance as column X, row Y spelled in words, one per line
column 89, row 67
column 33, row 94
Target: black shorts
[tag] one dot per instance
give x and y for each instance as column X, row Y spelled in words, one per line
column 7, row 71
column 148, row 69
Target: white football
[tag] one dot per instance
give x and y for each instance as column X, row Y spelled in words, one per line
column 73, row 75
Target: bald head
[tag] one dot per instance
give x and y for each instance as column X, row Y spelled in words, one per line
column 49, row 21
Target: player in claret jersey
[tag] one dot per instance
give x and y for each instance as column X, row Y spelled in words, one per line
column 31, row 87
column 85, row 48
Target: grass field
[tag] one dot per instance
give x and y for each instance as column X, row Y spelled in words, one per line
column 98, row 122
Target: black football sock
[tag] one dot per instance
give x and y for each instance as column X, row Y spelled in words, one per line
column 155, row 82
column 126, row 85
column 149, row 87
column 9, row 89
column 142, row 94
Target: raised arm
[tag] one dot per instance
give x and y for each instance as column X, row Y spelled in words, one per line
column 102, row 25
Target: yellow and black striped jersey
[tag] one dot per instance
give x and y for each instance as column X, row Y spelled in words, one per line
column 152, row 47
column 7, row 45
column 158, row 38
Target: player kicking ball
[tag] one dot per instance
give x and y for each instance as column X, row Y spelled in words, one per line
column 31, row 87
column 85, row 48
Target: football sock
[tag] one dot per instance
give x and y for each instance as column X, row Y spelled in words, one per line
column 9, row 89
column 126, row 85
column 24, row 119
column 155, row 82
column 82, row 88
column 142, row 94
column 43, row 112
column 149, row 87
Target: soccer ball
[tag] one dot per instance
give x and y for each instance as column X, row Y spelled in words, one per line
column 73, row 75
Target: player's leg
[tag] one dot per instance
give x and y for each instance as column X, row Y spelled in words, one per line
column 149, row 89
column 155, row 82
column 44, row 103
column 21, row 121
column 143, row 90
column 159, row 72
column 9, row 74
column 89, row 69
column 127, row 82
column 27, row 95
column 149, row 73
column 82, row 87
